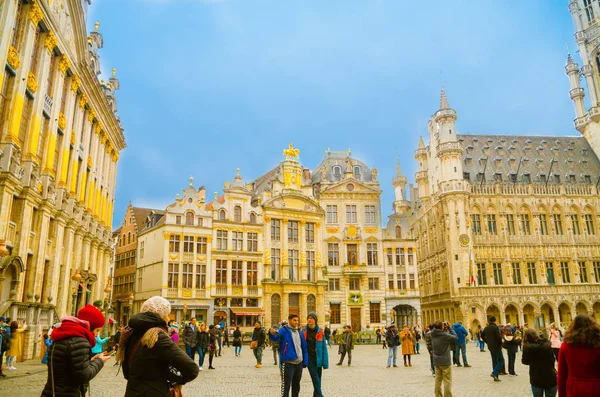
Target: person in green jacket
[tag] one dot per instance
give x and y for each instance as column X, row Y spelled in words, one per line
column 318, row 357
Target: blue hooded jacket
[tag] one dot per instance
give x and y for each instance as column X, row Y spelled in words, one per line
column 287, row 351
column 320, row 347
column 461, row 332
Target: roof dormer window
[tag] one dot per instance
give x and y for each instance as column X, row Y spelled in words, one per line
column 356, row 170
column 337, row 171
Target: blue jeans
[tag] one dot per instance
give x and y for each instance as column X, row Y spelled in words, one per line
column 392, row 353
column 292, row 375
column 539, row 392
column 481, row 345
column 191, row 351
column 497, row 361
column 201, row 354
column 315, row 375
column 258, row 355
column 458, row 348
column 237, row 349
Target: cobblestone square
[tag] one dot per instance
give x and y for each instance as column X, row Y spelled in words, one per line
column 368, row 376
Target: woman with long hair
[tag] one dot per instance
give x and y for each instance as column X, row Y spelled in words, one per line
column 537, row 353
column 202, row 341
column 237, row 341
column 579, row 359
column 511, row 344
column 212, row 345
column 555, row 340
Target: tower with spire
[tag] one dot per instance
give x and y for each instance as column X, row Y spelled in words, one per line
column 401, row 204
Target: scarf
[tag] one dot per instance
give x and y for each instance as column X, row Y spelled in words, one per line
column 72, row 326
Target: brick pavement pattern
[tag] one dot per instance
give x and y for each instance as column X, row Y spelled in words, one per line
column 368, row 376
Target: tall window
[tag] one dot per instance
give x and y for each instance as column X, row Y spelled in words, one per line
column 564, row 272
column 332, row 215
column 237, row 213
column 390, row 281
column 411, row 281
column 543, row 224
column 252, row 274
column 373, row 283
column 497, row 268
column 491, row 220
column 222, row 240
column 237, row 241
column 352, row 251
column 174, row 242
column 372, row 254
column 222, row 215
column 311, row 303
column 275, row 308
column 375, row 312
column 410, row 257
column 525, row 224
column 201, row 276
column 583, row 277
column 188, row 244
column 334, row 284
column 476, row 224
column 354, row 283
column 311, row 265
column 369, row 214
column 399, row 256
column 550, row 272
column 390, row 257
column 531, row 273
column 173, row 275
column 201, row 246
column 221, row 272
column 510, row 224
column 275, row 229
column 402, row 281
column 189, row 218
column 575, row 222
column 252, row 242
column 293, row 231
column 236, row 273
column 481, row 274
column 589, row 224
column 252, row 217
column 200, row 221
column 335, row 313
column 141, row 249
column 275, row 263
column 310, row 232
column 589, row 10
column 187, row 275
column 178, row 219
column 516, row 273
column 557, row 224
column 333, row 254
column 398, row 231
column 596, row 266
column 351, row 214
column 293, row 262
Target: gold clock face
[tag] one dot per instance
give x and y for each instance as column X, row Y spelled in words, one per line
column 463, row 240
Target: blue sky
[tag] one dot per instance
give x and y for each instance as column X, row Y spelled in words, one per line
column 211, row 85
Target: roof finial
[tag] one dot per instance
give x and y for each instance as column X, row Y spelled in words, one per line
column 114, row 72
column 191, row 180
column 398, row 168
column 443, row 99
column 97, row 25
column 237, row 170
column 421, row 142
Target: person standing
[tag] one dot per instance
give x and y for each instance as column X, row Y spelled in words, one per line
column 393, row 340
column 327, row 334
column 258, row 341
column 579, row 359
column 555, row 341
column 442, row 339
column 537, row 353
column 334, row 336
column 174, row 333
column 346, row 345
column 16, row 344
column 4, row 343
column 417, row 334
column 378, row 335
column 237, row 341
column 275, row 345
column 219, row 340
column 293, row 355
column 212, row 345
column 189, row 338
column 461, row 344
column 511, row 344
column 318, row 357
column 203, row 344
column 480, row 342
column 428, row 342
column 407, row 345
column 99, row 343
column 493, row 338
column 47, row 343
column 226, row 336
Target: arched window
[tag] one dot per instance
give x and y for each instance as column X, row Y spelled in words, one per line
column 275, row 309
column 189, row 218
column 357, row 172
column 311, row 303
column 237, row 213
column 252, row 217
column 337, row 171
column 222, row 215
column 129, row 238
column 398, row 230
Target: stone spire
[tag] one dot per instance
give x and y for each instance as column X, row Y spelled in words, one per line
column 401, row 205
column 444, row 100
column 421, row 142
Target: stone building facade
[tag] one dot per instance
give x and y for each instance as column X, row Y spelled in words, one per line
column 60, row 140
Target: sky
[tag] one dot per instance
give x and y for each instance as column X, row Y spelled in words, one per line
column 207, row 86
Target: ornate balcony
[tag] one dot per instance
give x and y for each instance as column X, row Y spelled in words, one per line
column 355, row 269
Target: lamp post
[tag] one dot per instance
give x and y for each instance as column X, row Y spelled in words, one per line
column 131, row 298
column 77, row 278
column 185, row 307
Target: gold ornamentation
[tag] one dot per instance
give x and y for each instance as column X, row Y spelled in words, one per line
column 62, row 121
column 371, row 230
column 91, row 115
column 173, row 256
column 464, row 240
column 97, row 25
column 291, row 153
column 64, row 64
column 332, row 230
column 50, row 42
column 75, row 83
column 83, row 101
column 31, row 83
column 114, row 72
column 13, row 58
column 72, row 138
column 167, row 236
column 35, row 14
column 352, row 231
column 89, row 161
column 98, row 127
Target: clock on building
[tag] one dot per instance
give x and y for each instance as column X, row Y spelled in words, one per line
column 464, row 240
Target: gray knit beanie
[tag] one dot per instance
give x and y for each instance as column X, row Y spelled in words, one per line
column 313, row 315
column 157, row 305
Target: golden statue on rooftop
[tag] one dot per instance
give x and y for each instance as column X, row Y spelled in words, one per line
column 291, row 153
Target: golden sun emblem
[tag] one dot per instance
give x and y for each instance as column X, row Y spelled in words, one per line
column 464, row 240
column 291, row 152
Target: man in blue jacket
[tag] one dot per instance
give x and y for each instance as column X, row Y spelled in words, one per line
column 293, row 353
column 318, row 357
column 461, row 344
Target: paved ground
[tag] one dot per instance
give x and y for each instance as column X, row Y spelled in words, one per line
column 368, row 376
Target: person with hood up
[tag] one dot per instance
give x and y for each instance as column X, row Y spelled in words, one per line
column 537, row 353
column 318, row 357
column 461, row 344
column 153, row 364
column 70, row 367
column 442, row 338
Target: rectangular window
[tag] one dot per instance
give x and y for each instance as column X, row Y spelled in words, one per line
column 222, row 240
column 516, row 273
column 369, row 214
column 373, row 283
column 352, row 251
column 575, row 222
column 390, row 257
column 237, row 241
column 491, row 220
column 532, row 273
column 596, row 266
column 543, row 224
column 275, row 263
column 525, row 224
column 333, row 254
column 221, row 272
column 550, row 273
column 410, row 257
column 334, row 284
column 527, row 178
column 332, row 215
column 252, row 242
column 476, row 224
column 201, row 246
column 510, row 224
column 252, row 274
column 558, row 229
column 201, row 276
column 173, row 276
column 236, row 272
column 187, row 275
column 311, row 265
column 293, row 260
column 481, row 274
column 402, row 281
column 390, row 281
column 293, row 231
column 200, row 221
column 141, row 250
column 589, row 224
column 399, row 256
column 335, row 313
column 188, row 244
column 372, row 254
column 583, row 277
column 275, row 229
column 310, row 232
column 351, row 214
column 375, row 312
column 497, row 269
column 564, row 272
column 178, row 220
column 589, row 10
column 174, row 242
column 354, row 283
column 412, row 281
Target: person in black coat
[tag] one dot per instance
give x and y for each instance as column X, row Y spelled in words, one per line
column 511, row 344
column 492, row 336
column 203, row 343
column 152, row 362
column 70, row 365
column 537, row 353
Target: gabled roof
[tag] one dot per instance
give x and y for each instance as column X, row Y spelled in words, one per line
column 141, row 214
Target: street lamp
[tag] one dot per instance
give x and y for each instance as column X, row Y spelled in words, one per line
column 74, row 309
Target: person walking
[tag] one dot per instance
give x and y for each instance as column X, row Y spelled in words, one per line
column 346, row 345
column 538, row 355
column 407, row 345
column 511, row 344
column 492, row 337
column 442, row 338
column 149, row 357
column 258, row 341
column 4, row 342
column 47, row 343
column 219, row 340
column 327, row 334
column 480, row 342
column 461, row 344
column 293, row 355
column 226, row 336
column 393, row 340
column 555, row 340
column 203, row 344
column 579, row 359
column 417, row 334
column 189, row 338
column 334, row 336
column 275, row 345
column 318, row 357
column 428, row 342
column 71, row 366
column 237, row 341
column 212, row 345
column 378, row 335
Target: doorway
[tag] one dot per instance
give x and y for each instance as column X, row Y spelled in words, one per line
column 295, row 304
column 355, row 319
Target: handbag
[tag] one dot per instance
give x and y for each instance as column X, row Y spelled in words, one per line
column 253, row 344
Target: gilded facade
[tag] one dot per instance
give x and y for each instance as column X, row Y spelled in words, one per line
column 60, row 140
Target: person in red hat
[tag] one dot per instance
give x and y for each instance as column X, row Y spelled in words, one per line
column 70, row 367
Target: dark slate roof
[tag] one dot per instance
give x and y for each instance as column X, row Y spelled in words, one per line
column 340, row 158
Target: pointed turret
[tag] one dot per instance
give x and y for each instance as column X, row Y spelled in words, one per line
column 576, row 92
column 444, row 100
column 401, row 205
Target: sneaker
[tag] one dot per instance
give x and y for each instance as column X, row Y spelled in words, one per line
column 458, row 365
column 467, row 366
column 339, row 364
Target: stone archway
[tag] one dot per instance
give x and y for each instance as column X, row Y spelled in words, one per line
column 547, row 316
column 493, row 310
column 596, row 310
column 406, row 314
column 10, row 276
column 564, row 314
column 529, row 315
column 512, row 315
column 581, row 308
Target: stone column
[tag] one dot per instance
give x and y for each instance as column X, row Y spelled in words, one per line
column 40, row 258
column 285, row 266
column 64, row 298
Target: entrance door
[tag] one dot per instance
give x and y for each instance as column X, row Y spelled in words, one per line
column 295, row 304
column 355, row 319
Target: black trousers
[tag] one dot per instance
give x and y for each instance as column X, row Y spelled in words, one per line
column 511, row 363
column 349, row 357
column 291, row 376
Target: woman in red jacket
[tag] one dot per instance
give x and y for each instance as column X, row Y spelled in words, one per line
column 579, row 359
